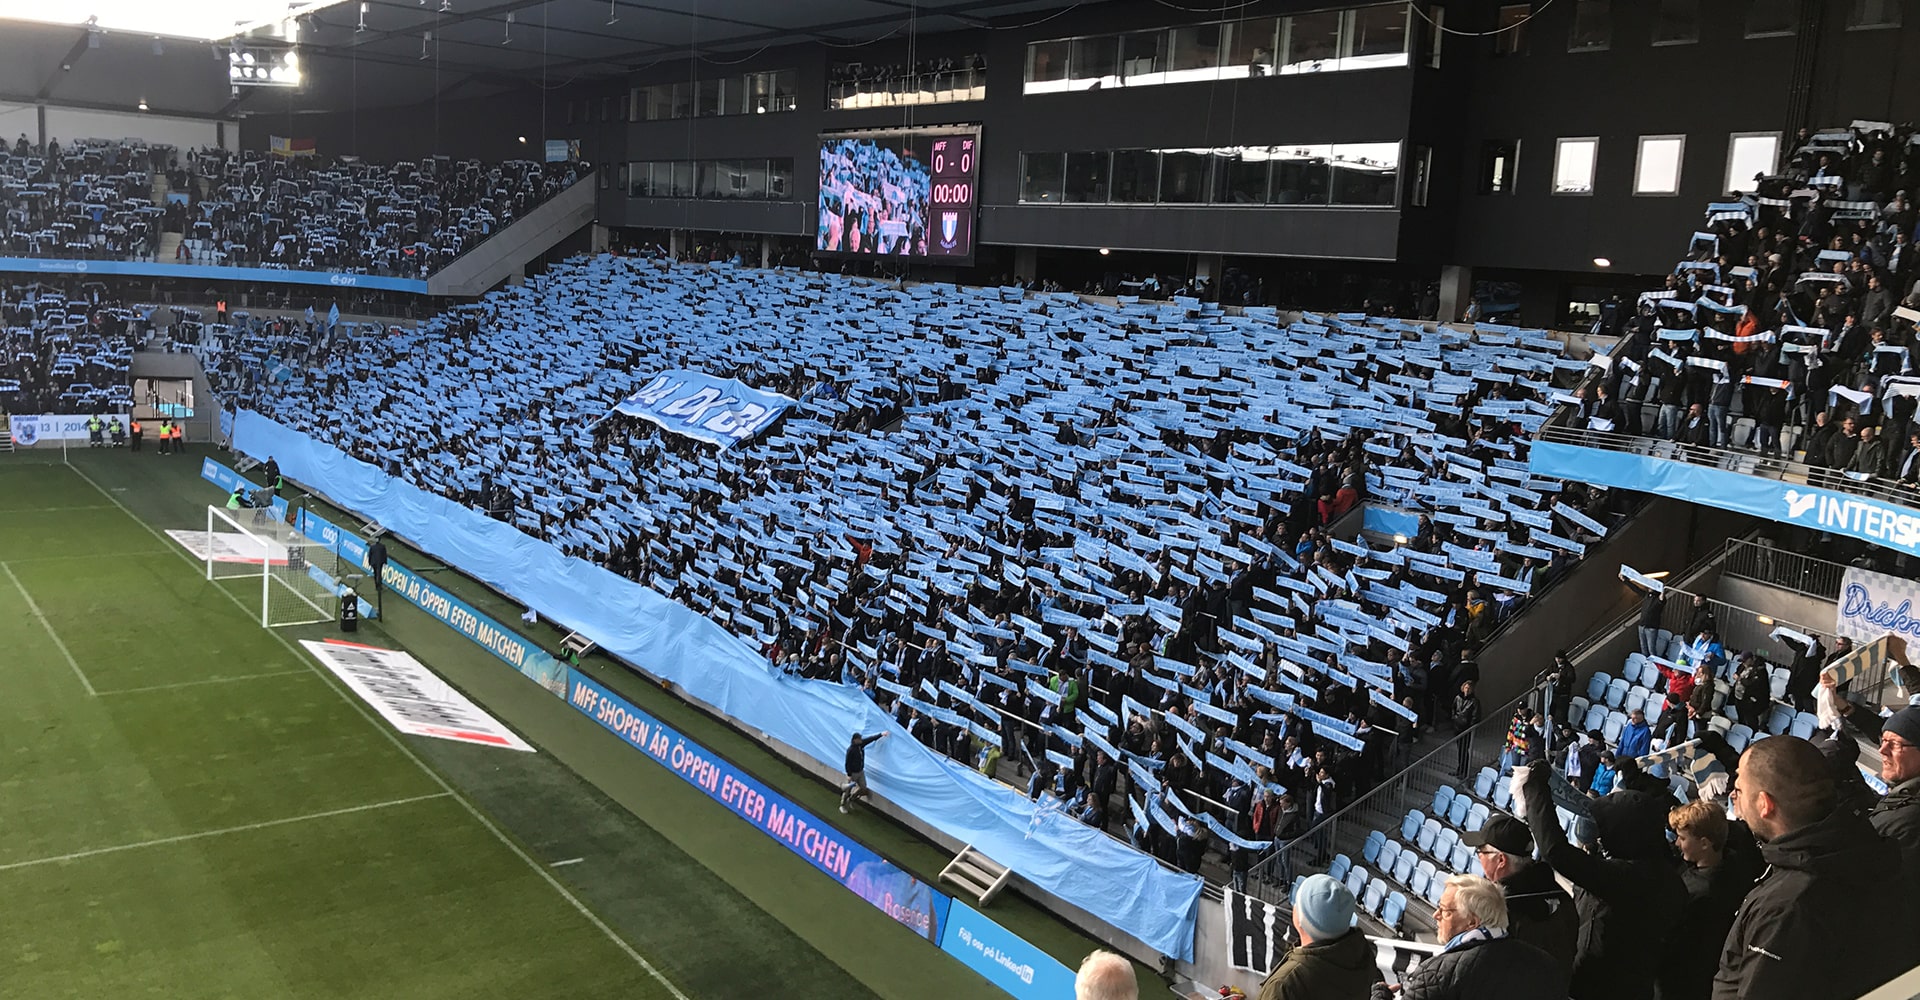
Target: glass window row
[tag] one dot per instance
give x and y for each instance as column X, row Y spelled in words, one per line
column 742, row 94
column 1658, row 160
column 1678, row 22
column 941, row 81
column 1321, row 41
column 1348, row 174
column 726, row 180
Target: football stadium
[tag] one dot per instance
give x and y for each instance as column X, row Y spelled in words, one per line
column 959, row 499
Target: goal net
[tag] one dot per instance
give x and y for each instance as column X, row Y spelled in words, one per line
column 299, row 579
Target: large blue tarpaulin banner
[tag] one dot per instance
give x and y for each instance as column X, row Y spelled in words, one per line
column 719, row 411
column 211, row 272
column 1075, row 862
column 1865, row 518
column 913, row 903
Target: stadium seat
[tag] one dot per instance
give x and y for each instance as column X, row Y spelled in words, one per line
column 1338, row 870
column 1357, row 879
column 1403, row 866
column 1779, row 719
column 1376, row 895
column 1442, row 798
column 1457, row 810
column 1616, row 693
column 1503, row 792
column 1462, row 859
column 1676, row 646
column 1738, row 736
column 1476, row 817
column 1722, row 690
column 1429, row 833
column 1597, row 685
column 1410, row 826
column 1635, row 663
column 1577, row 710
column 1804, row 724
column 1596, row 717
column 1436, row 889
column 1483, row 782
column 1636, row 699
column 1650, row 675
column 1444, row 844
column 1720, row 724
column 1370, row 851
column 1395, row 909
column 1610, row 730
column 1423, row 873
column 1777, row 683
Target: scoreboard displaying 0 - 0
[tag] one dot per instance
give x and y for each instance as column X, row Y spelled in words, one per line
column 908, row 194
column 955, row 166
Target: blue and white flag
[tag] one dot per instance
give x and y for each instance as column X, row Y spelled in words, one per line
column 722, row 412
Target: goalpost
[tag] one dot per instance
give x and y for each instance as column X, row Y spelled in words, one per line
column 298, row 577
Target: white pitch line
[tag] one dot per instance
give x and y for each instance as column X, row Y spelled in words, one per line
column 51, row 634
column 209, row 680
column 332, row 682
column 50, row 510
column 86, row 555
column 202, row 835
column 569, row 861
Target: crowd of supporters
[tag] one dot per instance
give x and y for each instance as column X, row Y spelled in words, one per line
column 65, row 349
column 96, row 198
column 1123, row 591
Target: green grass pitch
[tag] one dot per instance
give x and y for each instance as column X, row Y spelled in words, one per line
column 191, row 808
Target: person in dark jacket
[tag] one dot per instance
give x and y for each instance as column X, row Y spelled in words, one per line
column 1539, row 912
column 1479, row 959
column 1897, row 816
column 1466, row 713
column 1717, row 879
column 1628, row 894
column 1335, row 960
column 1821, row 922
column 856, row 783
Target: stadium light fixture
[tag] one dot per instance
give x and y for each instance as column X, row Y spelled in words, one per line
column 1763, row 619
column 1399, row 539
column 1657, row 576
column 203, row 20
column 1602, row 262
column 143, row 104
column 1105, row 251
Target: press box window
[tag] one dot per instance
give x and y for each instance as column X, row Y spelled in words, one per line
column 1657, row 169
column 1676, row 22
column 1573, row 161
column 1750, row 155
column 1592, row 26
column 1499, row 163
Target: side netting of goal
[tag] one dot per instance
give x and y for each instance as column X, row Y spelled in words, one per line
column 297, row 577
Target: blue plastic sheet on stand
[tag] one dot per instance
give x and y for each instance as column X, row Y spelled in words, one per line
column 1075, row 862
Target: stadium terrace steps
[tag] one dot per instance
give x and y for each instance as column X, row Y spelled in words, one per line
column 980, row 875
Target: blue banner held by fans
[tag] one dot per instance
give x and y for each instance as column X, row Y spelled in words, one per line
column 210, row 272
column 721, row 412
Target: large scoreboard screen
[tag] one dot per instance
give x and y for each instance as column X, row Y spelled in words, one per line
column 899, row 194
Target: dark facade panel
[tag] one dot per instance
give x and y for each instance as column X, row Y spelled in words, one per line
column 1364, row 234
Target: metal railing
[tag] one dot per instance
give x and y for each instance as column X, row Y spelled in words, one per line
column 1383, row 807
column 1761, row 562
column 1745, row 463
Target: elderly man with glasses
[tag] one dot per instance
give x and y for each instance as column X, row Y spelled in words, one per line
column 1897, row 816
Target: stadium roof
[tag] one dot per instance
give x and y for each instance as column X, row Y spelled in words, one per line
column 399, row 52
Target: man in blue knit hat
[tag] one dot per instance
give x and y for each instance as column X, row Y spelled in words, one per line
column 1334, row 960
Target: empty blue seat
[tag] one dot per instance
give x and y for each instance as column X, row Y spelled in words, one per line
column 1357, row 879
column 1596, row 717
column 1476, row 817
column 1376, row 895
column 1457, row 811
column 1636, row 698
column 1444, row 844
column 1610, row 729
column 1389, row 855
column 1338, row 870
column 1436, row 889
column 1442, row 798
column 1410, row 827
column 1503, row 792
column 1370, row 851
column 1429, row 833
column 1403, row 867
column 1577, row 710
column 1779, row 719
column 1616, row 693
column 1597, row 685
column 1483, row 782
column 1738, row 736
column 1462, row 858
column 1804, row 724
column 1395, row 908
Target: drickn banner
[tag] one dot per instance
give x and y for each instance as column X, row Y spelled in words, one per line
column 719, row 411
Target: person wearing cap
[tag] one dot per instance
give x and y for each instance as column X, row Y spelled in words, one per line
column 1334, row 961
column 1539, row 912
column 1897, row 816
column 1479, row 958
